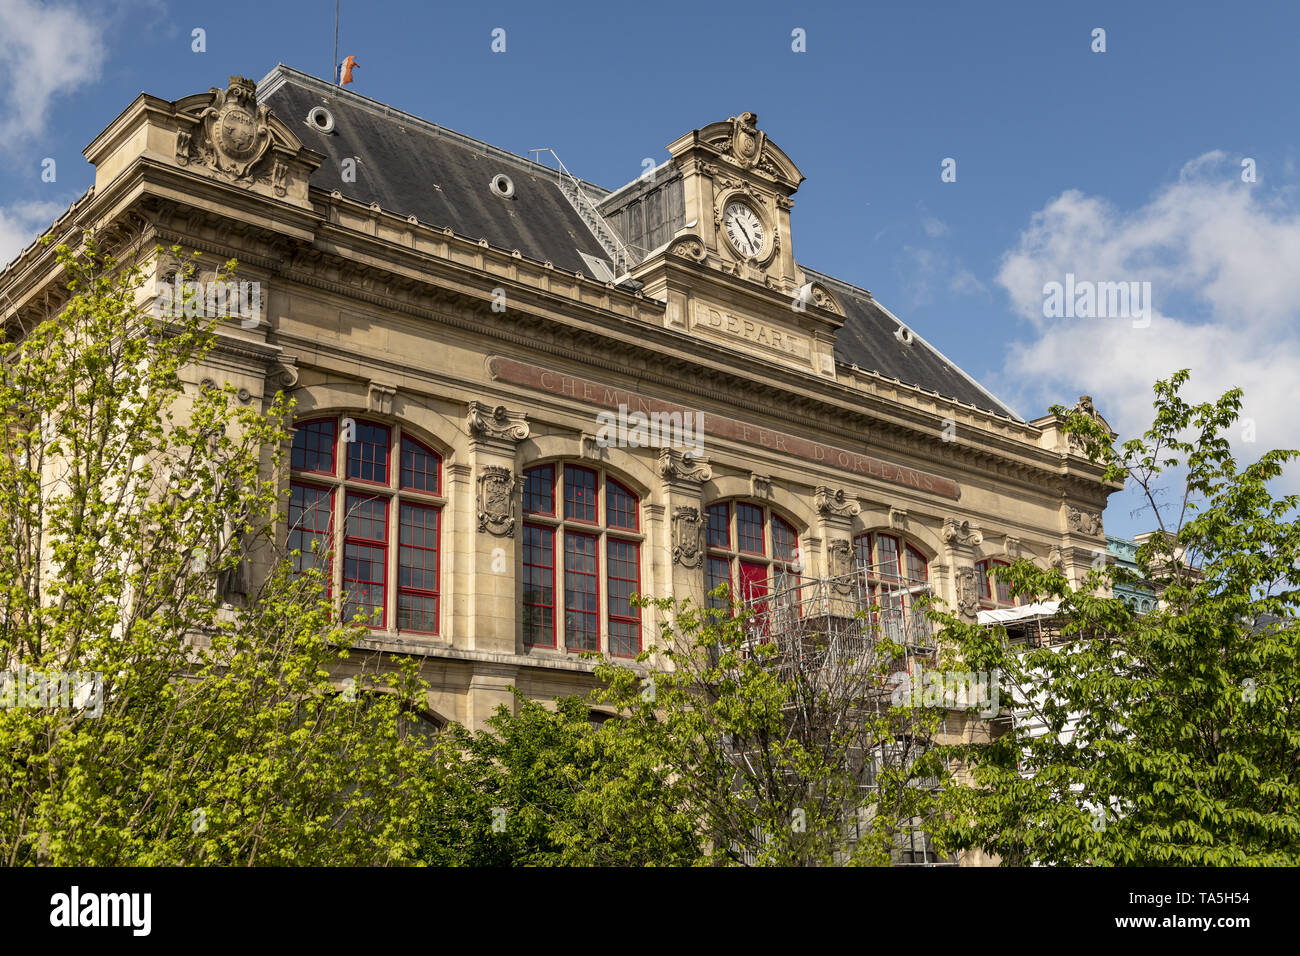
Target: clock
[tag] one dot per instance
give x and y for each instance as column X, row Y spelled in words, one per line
column 744, row 229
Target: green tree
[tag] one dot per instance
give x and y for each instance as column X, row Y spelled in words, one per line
column 550, row 788
column 1171, row 737
column 129, row 502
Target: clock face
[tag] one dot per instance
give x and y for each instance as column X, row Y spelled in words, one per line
column 744, row 229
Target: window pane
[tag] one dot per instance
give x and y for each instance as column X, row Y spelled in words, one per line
column 420, row 467
column 363, row 583
column 311, row 512
column 313, row 447
column 539, row 586
column 539, row 490
column 982, row 572
column 753, row 580
column 749, row 529
column 887, row 557
column 365, row 559
column 579, row 494
column 620, row 507
column 1004, row 587
column 417, row 568
column 367, row 518
column 368, row 454
column 624, row 580
column 719, row 572
column 862, row 550
column 581, row 595
column 417, row 612
column 719, row 535
column 916, row 566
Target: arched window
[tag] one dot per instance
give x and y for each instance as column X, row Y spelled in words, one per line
column 989, row 595
column 750, row 549
column 582, row 514
column 897, row 574
column 353, row 482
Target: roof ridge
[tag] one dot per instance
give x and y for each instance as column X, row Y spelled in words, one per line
column 281, row 74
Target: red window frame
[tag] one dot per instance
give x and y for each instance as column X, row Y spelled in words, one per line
column 615, row 492
column 545, row 535
column 615, row 585
column 712, row 580
column 712, row 512
column 410, row 590
column 314, row 532
column 593, row 576
column 306, row 428
column 989, row 587
column 570, row 495
column 380, row 545
column 534, row 476
column 430, row 454
column 361, row 444
column 741, row 538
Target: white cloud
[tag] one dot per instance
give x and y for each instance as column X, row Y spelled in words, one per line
column 934, row 228
column 1223, row 260
column 21, row 223
column 48, row 50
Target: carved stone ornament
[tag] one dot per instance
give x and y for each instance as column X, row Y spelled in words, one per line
column 689, row 247
column 496, row 500
column 897, row 519
column 677, row 465
column 961, row 533
column 967, row 591
column 1085, row 522
column 834, row 503
column 840, row 564
column 1055, row 559
column 760, row 486
column 746, row 139
column 379, row 398
column 688, row 537
column 236, row 132
column 499, row 423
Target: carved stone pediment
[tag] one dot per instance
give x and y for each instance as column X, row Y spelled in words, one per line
column 237, row 139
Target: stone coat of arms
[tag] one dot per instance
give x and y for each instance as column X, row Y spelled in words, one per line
column 236, row 134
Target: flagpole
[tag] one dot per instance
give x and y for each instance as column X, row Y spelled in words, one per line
column 334, row 67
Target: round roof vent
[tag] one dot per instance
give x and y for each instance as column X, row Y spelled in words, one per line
column 502, row 186
column 903, row 334
column 321, row 119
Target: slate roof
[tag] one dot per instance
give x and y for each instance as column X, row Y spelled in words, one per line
column 868, row 340
column 410, row 166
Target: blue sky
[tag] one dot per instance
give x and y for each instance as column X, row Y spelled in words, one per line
column 1122, row 165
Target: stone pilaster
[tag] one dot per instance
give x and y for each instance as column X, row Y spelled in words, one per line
column 961, row 538
column 493, row 554
column 682, row 532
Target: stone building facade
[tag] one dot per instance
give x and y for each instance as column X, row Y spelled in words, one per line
column 484, row 350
